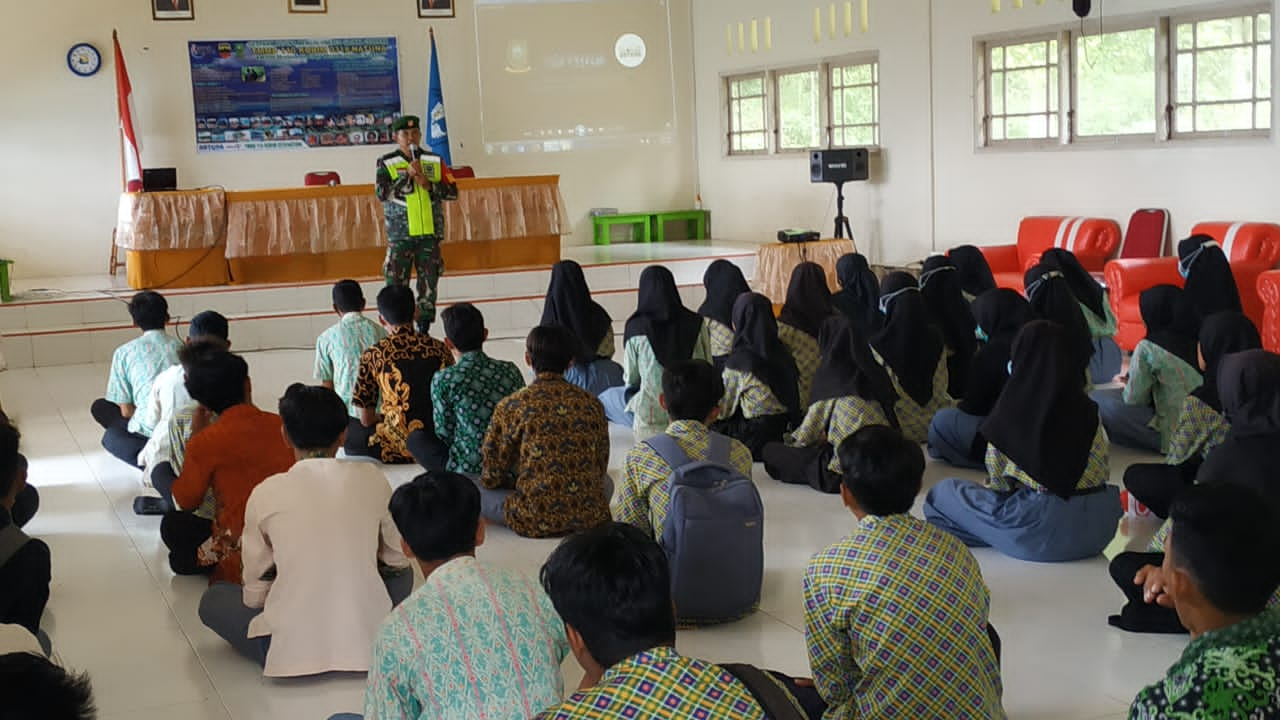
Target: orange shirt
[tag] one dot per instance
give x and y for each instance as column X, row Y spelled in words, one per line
column 231, row 457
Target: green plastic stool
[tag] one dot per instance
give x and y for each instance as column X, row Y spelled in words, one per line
column 6, row 294
column 697, row 220
column 603, row 225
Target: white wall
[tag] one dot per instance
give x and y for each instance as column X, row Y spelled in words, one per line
column 60, row 176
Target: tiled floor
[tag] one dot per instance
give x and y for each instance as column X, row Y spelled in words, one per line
column 117, row 612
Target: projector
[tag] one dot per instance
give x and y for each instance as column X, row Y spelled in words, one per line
column 798, row 236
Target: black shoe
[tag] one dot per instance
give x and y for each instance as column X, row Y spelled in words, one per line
column 150, row 505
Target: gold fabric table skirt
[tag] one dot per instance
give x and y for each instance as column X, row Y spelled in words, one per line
column 777, row 261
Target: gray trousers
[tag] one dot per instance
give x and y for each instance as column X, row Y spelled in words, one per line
column 1126, row 424
column 223, row 611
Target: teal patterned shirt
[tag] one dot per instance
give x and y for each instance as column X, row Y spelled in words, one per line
column 462, row 400
column 473, row 642
column 1162, row 381
column 1100, row 327
column 338, row 352
column 804, row 348
column 833, row 421
column 642, row 370
column 134, row 368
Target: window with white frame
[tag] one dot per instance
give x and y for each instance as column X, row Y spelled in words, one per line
column 1115, row 83
column 1222, row 74
column 1022, row 90
column 748, row 132
column 855, row 103
column 799, row 95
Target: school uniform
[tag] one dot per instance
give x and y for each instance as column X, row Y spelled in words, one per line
column 569, row 304
column 951, row 313
column 1052, row 298
column 134, row 367
column 1210, row 285
column 912, row 350
column 1107, row 358
column 807, row 307
column 723, row 282
column 761, row 399
column 859, row 294
column 975, row 273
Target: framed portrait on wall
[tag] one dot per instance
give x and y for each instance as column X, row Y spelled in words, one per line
column 435, row 8
column 308, row 6
column 173, row 10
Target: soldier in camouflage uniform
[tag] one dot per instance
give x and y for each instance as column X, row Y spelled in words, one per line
column 412, row 185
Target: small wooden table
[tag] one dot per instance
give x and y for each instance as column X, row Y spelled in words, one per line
column 778, row 260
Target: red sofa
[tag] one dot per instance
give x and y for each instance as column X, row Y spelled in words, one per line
column 1269, row 292
column 1093, row 240
column 1252, row 248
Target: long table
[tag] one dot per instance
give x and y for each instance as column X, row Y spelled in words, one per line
column 776, row 262
column 196, row 238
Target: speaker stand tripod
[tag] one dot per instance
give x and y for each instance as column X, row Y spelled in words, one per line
column 843, row 229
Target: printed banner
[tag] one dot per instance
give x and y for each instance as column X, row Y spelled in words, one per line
column 289, row 94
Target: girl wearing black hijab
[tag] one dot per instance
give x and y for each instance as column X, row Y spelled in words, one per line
column 913, row 352
column 1248, row 386
column 859, row 295
column 761, row 394
column 808, row 306
column 975, row 272
column 1162, row 373
column 1046, row 498
column 1211, row 287
column 940, row 287
column 661, row 332
column 1092, row 297
column 850, row 391
column 953, row 434
column 1201, row 426
column 1051, row 299
column 569, row 304
column 723, row 282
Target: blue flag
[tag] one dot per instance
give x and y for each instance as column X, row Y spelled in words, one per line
column 437, row 127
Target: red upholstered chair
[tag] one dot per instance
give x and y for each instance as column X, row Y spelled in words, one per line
column 1269, row 293
column 322, row 177
column 1252, row 249
column 1093, row 240
column 462, row 171
column 1147, row 236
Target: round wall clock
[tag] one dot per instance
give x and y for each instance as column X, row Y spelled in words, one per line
column 84, row 59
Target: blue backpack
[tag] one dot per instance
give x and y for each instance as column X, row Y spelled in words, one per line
column 713, row 534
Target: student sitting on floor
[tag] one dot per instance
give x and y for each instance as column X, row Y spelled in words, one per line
column 393, row 390
column 1162, row 373
column 134, row 367
column 24, row 561
column 914, row 353
column 1213, row 577
column 612, row 588
column 1201, row 426
column 1092, row 297
column 661, row 332
column 463, row 396
column 761, row 387
column 569, row 303
column 944, row 298
column 498, row 619
column 234, row 446
column 33, row 686
column 723, row 282
column 1051, row 299
column 808, row 305
column 1249, row 386
column 850, row 391
column 859, row 296
column 975, row 272
column 896, row 614
column 954, row 435
column 546, row 455
column 322, row 559
column 691, row 393
column 339, row 348
column 170, row 399
column 1210, row 284
column 1046, row 498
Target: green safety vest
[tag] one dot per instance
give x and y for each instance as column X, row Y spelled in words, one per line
column 422, row 220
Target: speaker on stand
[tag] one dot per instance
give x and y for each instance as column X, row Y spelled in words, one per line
column 839, row 167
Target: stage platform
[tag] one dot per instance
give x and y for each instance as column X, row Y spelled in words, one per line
column 74, row 320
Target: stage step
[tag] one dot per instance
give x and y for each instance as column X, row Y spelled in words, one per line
column 87, row 327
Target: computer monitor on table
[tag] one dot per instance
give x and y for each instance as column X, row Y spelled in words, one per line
column 159, row 179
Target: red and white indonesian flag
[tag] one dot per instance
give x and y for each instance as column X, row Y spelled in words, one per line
column 128, row 130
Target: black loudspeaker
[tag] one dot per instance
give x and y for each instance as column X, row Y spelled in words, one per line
column 839, row 166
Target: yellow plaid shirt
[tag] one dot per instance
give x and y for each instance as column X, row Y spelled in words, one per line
column 896, row 625
column 913, row 417
column 804, row 348
column 642, row 496
column 1200, row 429
column 721, row 337
column 748, row 393
column 833, row 421
column 1003, row 475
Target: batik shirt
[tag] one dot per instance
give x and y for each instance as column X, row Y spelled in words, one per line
column 462, row 400
column 1162, row 381
column 896, row 625
column 550, row 444
column 642, row 498
column 1227, row 674
column 748, row 394
column 660, row 684
column 914, row 418
column 1004, row 475
column 642, row 370
column 804, row 348
column 1200, row 429
column 134, row 367
column 473, row 642
column 1100, row 327
column 338, row 352
column 833, row 421
column 397, row 373
column 720, row 336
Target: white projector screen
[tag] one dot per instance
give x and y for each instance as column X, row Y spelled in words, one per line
column 565, row 75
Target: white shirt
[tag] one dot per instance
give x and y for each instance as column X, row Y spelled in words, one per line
column 324, row 525
column 168, row 395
